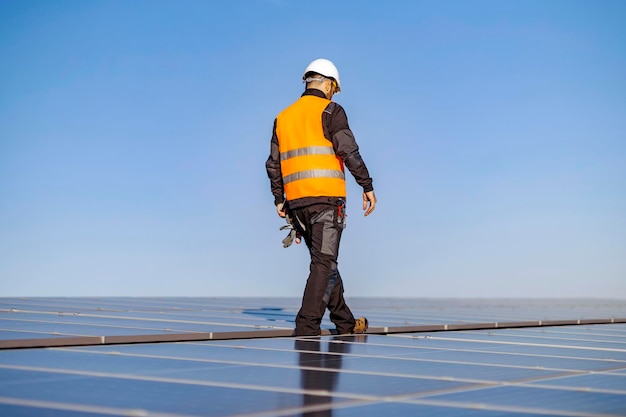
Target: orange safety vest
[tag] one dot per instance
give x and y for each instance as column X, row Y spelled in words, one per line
column 308, row 162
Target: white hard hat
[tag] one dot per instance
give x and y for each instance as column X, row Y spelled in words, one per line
column 323, row 67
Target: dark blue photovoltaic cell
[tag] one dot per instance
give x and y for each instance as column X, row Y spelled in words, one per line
column 165, row 397
column 585, row 332
column 446, row 370
column 138, row 319
column 206, row 351
column 449, row 340
column 111, row 363
column 15, row 335
column 526, row 397
column 607, row 381
column 571, row 364
column 52, row 330
column 32, row 411
column 555, row 351
column 405, row 409
column 508, row 336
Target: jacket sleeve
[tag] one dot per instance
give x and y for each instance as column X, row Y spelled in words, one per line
column 272, row 165
column 338, row 131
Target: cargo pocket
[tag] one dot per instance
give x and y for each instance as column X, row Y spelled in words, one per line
column 330, row 234
column 330, row 239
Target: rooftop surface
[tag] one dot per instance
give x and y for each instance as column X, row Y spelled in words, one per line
column 237, row 357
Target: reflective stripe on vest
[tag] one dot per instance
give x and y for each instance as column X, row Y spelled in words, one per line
column 313, row 173
column 311, row 150
column 308, row 162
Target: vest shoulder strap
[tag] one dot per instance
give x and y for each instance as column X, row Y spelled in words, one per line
column 330, row 108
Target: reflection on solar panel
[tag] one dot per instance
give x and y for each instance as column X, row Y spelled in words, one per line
column 236, row 357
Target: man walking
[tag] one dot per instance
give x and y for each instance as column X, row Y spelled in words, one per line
column 311, row 143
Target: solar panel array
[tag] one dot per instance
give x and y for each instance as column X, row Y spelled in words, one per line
column 573, row 370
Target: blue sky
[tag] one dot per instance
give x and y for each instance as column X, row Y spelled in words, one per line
column 133, row 137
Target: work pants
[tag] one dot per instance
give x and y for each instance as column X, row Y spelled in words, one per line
column 321, row 226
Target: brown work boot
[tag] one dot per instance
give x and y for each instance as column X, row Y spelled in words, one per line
column 360, row 325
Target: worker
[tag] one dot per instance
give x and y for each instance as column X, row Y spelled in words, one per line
column 311, row 143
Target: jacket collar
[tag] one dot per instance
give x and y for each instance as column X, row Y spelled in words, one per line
column 314, row 92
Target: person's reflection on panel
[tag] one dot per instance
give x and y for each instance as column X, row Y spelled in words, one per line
column 319, row 372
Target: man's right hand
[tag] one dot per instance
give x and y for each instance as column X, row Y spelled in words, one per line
column 369, row 202
column 279, row 209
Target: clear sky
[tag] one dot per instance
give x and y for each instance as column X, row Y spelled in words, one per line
column 134, row 134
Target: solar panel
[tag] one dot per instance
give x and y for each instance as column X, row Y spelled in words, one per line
column 542, row 370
